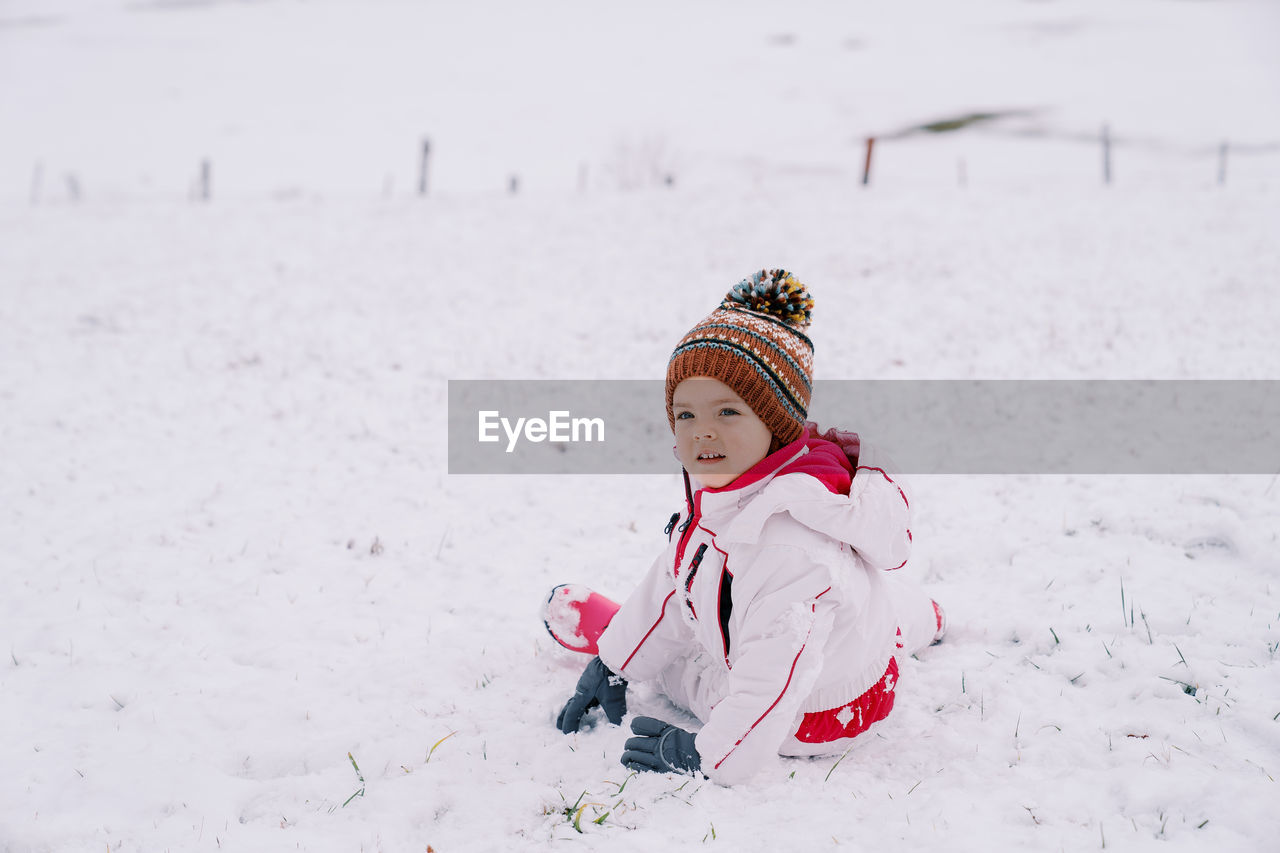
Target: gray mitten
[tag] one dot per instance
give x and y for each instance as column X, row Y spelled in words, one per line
column 597, row 686
column 661, row 747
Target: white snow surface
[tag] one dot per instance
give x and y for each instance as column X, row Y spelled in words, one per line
column 232, row 554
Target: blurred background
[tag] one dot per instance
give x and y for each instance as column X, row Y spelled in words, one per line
column 290, row 98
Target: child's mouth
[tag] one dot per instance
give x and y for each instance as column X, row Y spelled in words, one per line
column 709, row 456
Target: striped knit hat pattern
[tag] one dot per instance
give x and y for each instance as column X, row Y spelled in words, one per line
column 754, row 344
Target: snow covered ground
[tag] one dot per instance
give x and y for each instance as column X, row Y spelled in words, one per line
column 232, row 554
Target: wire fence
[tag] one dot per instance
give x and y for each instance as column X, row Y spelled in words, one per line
column 948, row 146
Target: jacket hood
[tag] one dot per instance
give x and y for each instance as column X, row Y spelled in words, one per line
column 826, row 463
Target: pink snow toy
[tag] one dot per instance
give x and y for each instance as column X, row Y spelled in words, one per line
column 576, row 616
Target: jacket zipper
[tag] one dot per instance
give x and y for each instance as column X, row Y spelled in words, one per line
column 688, row 578
column 686, row 529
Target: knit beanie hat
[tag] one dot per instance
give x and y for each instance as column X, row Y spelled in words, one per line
column 753, row 343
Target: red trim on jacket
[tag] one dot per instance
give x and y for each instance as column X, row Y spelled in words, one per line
column 884, row 474
column 790, row 675
column 890, row 479
column 723, row 552
column 654, row 627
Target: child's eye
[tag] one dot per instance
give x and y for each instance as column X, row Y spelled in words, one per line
column 683, row 416
column 728, row 411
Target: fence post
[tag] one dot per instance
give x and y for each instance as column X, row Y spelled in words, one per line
column 1106, row 154
column 866, row 168
column 206, row 179
column 422, row 171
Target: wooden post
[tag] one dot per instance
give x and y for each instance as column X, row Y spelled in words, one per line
column 866, row 168
column 1222, row 163
column 206, row 179
column 422, row 172
column 1106, row 154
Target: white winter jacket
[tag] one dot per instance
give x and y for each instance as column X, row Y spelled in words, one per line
column 778, row 575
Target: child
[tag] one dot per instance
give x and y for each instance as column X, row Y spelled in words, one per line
column 769, row 616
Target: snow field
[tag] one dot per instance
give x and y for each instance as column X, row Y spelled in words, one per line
column 245, row 605
column 235, row 557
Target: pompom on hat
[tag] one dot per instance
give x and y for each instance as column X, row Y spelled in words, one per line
column 754, row 343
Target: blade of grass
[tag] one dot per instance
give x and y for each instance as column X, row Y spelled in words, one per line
column 577, row 816
column 837, row 764
column 431, row 751
column 360, row 776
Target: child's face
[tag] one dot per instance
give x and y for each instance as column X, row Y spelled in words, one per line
column 717, row 435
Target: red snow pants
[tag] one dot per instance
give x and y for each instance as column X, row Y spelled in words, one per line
column 854, row 718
